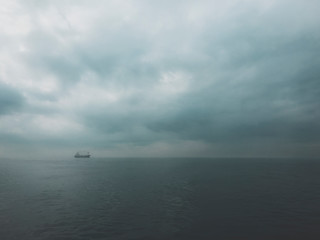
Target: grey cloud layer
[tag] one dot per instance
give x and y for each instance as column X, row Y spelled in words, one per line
column 244, row 72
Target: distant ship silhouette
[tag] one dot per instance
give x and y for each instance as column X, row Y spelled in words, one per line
column 82, row 155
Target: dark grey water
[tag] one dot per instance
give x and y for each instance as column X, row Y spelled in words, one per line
column 160, row 199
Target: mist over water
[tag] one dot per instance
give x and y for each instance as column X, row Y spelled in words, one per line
column 160, row 199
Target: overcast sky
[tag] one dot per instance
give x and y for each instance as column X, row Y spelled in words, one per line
column 132, row 78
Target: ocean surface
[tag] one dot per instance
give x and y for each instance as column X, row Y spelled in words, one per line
column 135, row 198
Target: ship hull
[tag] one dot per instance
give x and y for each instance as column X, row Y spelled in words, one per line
column 83, row 156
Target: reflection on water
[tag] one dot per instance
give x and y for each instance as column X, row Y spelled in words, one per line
column 159, row 199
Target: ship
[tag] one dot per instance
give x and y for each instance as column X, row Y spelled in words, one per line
column 82, row 155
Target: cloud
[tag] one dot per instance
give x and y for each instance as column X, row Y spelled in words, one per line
column 219, row 76
column 10, row 99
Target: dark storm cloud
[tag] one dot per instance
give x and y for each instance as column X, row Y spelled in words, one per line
column 10, row 99
column 263, row 92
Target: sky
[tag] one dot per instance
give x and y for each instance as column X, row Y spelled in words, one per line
column 138, row 78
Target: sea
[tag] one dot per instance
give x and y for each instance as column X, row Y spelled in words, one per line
column 160, row 198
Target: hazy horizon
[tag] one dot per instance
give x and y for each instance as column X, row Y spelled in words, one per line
column 237, row 78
